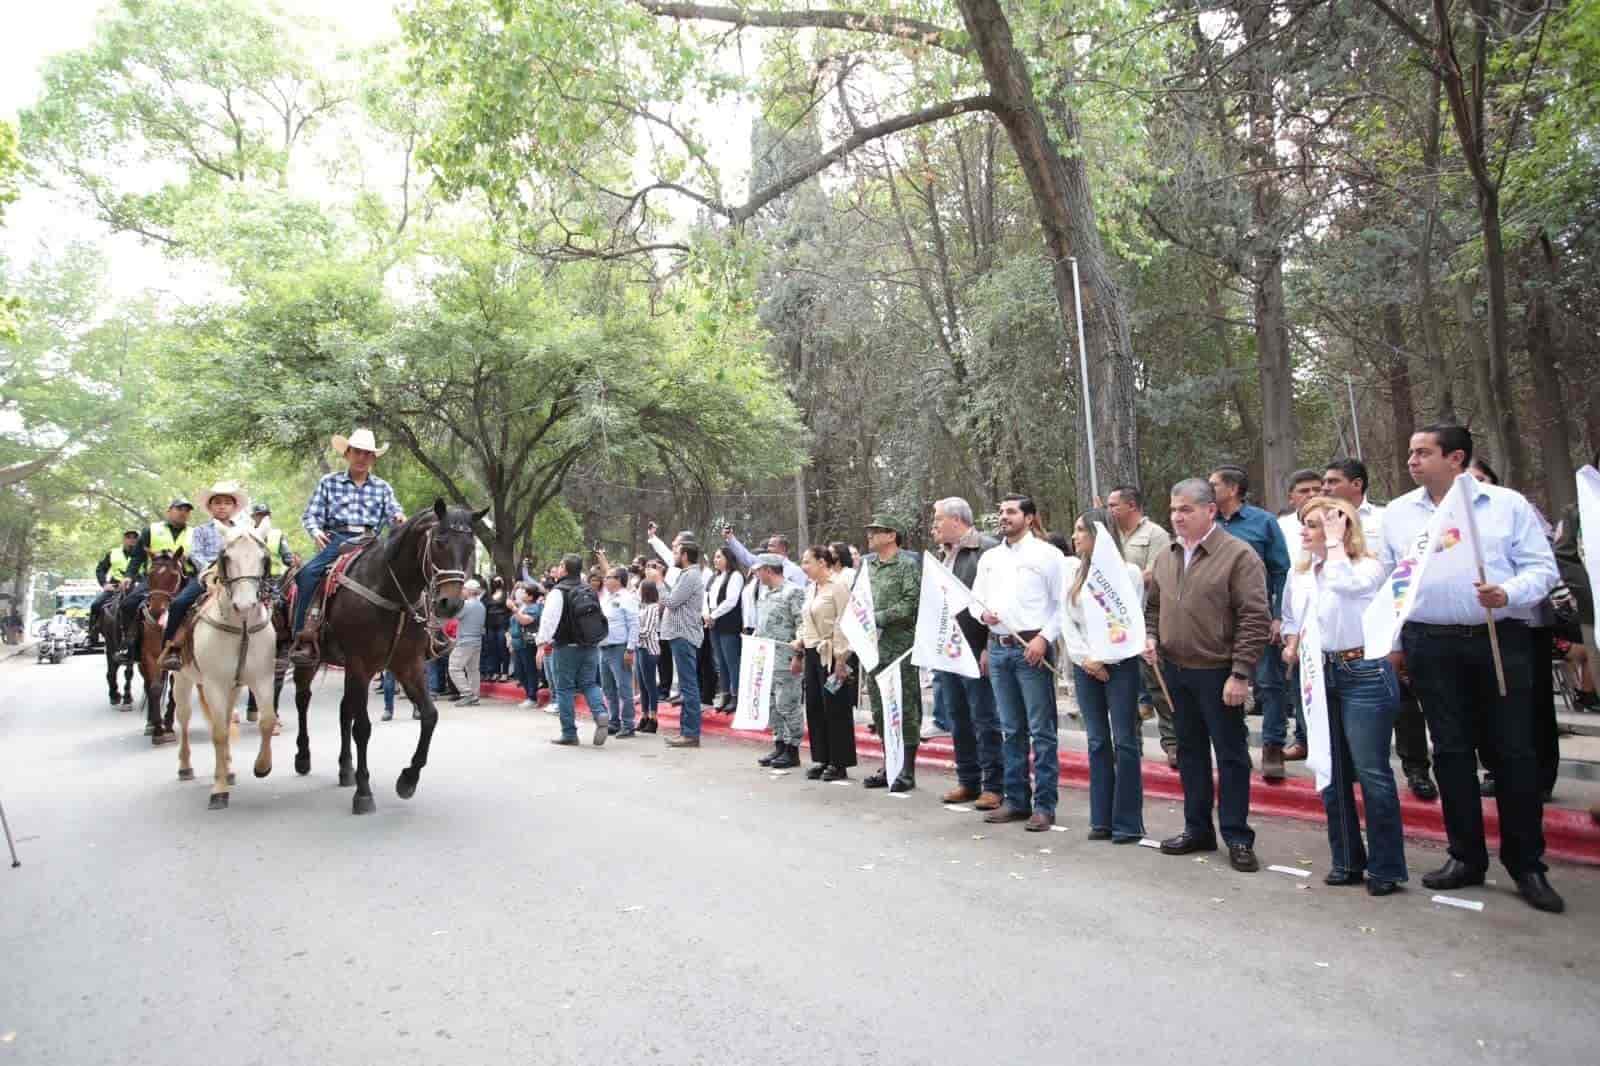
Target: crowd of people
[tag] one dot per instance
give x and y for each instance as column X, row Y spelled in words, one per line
column 1225, row 596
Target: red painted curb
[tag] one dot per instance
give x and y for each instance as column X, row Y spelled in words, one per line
column 1570, row 835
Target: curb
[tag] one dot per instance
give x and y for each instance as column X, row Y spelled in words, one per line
column 1569, row 834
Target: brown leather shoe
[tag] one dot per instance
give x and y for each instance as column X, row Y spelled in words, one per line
column 1003, row 813
column 1038, row 822
column 990, row 801
column 1272, row 762
column 683, row 742
column 1294, row 752
column 959, row 794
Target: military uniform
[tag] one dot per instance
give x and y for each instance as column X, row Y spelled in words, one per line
column 896, row 590
column 780, row 611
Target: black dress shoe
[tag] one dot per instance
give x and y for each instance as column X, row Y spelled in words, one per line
column 777, row 750
column 1376, row 887
column 1422, row 786
column 879, row 779
column 1099, row 834
column 565, row 742
column 1184, row 844
column 1340, row 878
column 1453, row 874
column 1243, row 858
column 835, row 773
column 815, row 771
column 1535, row 888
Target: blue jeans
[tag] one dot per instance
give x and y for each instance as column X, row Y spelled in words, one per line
column 311, row 575
column 438, row 673
column 941, row 707
column 528, row 669
column 1272, row 694
column 726, row 648
column 577, row 669
column 388, row 692
column 617, row 681
column 1110, row 712
column 1026, row 698
column 1203, row 720
column 494, row 661
column 649, row 693
column 974, row 730
column 179, row 610
column 686, row 664
column 1363, row 699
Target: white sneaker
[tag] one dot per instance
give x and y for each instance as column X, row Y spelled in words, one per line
column 551, row 708
column 526, row 705
column 932, row 731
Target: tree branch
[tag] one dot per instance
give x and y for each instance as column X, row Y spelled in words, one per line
column 905, row 29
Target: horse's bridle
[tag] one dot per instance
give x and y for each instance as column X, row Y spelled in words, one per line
column 424, row 607
column 153, row 618
column 263, row 590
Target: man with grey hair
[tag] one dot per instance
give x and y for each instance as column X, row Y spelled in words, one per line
column 1207, row 623
column 969, row 701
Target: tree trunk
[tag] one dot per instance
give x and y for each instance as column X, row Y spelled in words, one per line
column 1549, row 392
column 1514, row 456
column 1401, row 401
column 802, row 518
column 1444, row 397
column 1061, row 196
column 1466, row 293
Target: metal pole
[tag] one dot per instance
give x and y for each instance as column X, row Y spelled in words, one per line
column 1083, row 375
column 1355, row 426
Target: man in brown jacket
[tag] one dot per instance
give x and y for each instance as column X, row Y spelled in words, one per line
column 1207, row 620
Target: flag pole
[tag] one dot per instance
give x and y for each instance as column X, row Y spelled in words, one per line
column 1162, row 681
column 1488, row 612
column 1083, row 375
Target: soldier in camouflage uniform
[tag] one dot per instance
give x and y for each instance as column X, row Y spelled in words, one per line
column 778, row 609
column 896, row 590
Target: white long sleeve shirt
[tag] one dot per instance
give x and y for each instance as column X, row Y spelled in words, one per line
column 1074, row 623
column 1021, row 583
column 553, row 603
column 735, row 582
column 1343, row 588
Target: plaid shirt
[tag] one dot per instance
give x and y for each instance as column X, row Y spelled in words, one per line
column 206, row 544
column 339, row 502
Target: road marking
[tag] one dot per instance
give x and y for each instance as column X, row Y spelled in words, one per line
column 1464, row 904
column 1290, row 870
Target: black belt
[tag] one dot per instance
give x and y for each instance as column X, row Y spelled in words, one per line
column 1021, row 639
column 1435, row 630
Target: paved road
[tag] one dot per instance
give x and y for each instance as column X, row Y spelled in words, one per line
column 630, row 904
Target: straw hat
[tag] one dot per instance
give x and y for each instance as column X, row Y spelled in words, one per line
column 241, row 499
column 360, row 438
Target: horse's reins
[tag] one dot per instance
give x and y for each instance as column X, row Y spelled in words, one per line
column 243, row 632
column 422, row 609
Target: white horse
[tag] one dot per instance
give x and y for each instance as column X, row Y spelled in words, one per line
column 234, row 645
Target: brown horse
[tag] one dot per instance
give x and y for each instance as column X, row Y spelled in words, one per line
column 163, row 577
column 385, row 617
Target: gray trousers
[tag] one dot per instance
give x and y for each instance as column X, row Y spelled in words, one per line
column 464, row 666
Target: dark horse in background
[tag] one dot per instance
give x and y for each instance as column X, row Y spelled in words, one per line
column 388, row 606
column 114, row 632
column 163, row 578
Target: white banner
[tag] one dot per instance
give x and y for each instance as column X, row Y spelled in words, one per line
column 1443, row 552
column 1313, row 683
column 940, row 644
column 758, row 658
column 1113, row 608
column 894, row 742
column 860, row 620
column 1589, row 525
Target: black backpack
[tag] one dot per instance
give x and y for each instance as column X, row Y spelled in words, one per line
column 582, row 620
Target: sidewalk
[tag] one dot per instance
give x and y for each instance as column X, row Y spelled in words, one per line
column 1570, row 833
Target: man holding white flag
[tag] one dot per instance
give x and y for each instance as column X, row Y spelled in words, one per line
column 965, row 694
column 1456, row 657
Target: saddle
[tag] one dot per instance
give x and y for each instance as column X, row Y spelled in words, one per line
column 330, row 584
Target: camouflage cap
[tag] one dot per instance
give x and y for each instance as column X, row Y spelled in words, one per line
column 888, row 521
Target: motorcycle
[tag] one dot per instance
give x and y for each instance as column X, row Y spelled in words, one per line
column 55, row 641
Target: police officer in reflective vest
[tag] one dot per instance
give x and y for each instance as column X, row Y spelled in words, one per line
column 110, row 573
column 168, row 536
column 277, row 547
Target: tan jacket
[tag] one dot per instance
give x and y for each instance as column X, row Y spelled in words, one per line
column 819, row 621
column 1214, row 613
column 1145, row 544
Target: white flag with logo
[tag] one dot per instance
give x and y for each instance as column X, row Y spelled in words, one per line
column 940, row 644
column 894, row 740
column 1589, row 524
column 1112, row 607
column 1444, row 552
column 1313, row 679
column 758, row 658
column 860, row 620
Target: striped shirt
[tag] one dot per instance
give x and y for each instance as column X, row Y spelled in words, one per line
column 339, row 502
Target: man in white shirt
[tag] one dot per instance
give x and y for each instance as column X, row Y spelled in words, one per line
column 1346, row 479
column 1017, row 593
column 1304, row 486
column 1446, row 650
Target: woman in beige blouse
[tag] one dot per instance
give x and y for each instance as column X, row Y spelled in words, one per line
column 830, row 676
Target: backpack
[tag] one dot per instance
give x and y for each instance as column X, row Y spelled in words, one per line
column 582, row 620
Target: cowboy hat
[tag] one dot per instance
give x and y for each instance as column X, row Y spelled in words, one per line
column 360, row 438
column 241, row 499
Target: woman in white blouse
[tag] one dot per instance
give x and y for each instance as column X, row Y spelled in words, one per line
column 1339, row 575
column 724, row 617
column 1108, row 696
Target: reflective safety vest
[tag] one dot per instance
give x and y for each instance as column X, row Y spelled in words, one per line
column 119, row 564
column 274, row 540
column 162, row 540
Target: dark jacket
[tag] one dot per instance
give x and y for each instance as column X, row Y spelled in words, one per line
column 964, row 565
column 497, row 612
column 1569, row 561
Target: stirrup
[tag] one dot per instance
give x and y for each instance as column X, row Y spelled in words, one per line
column 305, row 651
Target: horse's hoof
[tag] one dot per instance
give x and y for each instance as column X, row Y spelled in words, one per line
column 116, row 701
column 302, row 764
column 125, row 706
column 347, row 778
column 159, row 739
column 219, row 801
column 263, row 771
column 363, row 805
column 231, row 779
column 186, row 774
column 406, row 786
